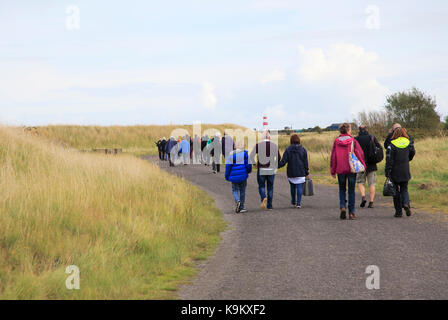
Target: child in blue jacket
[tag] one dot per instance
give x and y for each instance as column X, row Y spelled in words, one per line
column 237, row 172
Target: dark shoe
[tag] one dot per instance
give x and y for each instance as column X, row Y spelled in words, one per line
column 343, row 213
column 370, row 205
column 407, row 209
column 398, row 215
column 351, row 216
column 238, row 207
column 363, row 202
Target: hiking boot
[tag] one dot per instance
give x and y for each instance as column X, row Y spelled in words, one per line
column 407, row 209
column 263, row 203
column 343, row 213
column 370, row 205
column 351, row 216
column 238, row 207
column 363, row 202
column 398, row 215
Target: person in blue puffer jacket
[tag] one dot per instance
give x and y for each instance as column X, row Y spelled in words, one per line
column 237, row 172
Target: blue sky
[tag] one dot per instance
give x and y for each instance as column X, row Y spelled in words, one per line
column 153, row 62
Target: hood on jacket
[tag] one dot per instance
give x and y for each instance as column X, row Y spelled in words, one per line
column 401, row 142
column 295, row 147
column 344, row 140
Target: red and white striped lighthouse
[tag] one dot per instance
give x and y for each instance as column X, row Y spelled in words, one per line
column 265, row 122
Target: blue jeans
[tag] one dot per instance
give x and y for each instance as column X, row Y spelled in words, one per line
column 342, row 179
column 239, row 192
column 296, row 193
column 264, row 180
column 401, row 196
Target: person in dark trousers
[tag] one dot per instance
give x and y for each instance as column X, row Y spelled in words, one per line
column 365, row 140
column 238, row 169
column 297, row 170
column 162, row 145
column 268, row 158
column 216, row 149
column 398, row 155
column 391, row 132
column 228, row 145
column 159, row 148
column 340, row 165
column 205, row 154
column 196, row 147
column 169, row 147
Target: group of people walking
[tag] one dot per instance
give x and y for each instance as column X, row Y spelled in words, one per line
column 364, row 148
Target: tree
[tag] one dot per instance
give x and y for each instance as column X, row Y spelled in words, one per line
column 413, row 109
column 317, row 129
column 445, row 125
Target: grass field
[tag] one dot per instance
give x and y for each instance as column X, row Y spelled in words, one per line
column 137, row 140
column 429, row 169
column 133, row 230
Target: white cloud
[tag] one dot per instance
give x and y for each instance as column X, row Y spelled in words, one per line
column 344, row 71
column 273, row 76
column 208, row 96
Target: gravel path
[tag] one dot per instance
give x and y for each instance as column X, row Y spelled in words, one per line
column 310, row 253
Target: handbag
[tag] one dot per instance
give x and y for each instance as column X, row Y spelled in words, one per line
column 356, row 166
column 389, row 188
column 308, row 189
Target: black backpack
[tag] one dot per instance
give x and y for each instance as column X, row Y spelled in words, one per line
column 375, row 153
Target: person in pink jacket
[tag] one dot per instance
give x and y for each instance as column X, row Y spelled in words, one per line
column 340, row 166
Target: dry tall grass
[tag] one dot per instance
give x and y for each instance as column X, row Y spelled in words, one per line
column 132, row 229
column 137, row 140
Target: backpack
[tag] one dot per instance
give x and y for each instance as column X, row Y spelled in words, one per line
column 375, row 154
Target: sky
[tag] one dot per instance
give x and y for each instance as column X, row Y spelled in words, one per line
column 301, row 63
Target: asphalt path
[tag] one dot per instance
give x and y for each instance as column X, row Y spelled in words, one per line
column 310, row 253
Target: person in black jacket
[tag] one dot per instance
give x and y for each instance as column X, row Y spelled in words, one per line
column 159, row 148
column 162, row 147
column 365, row 140
column 391, row 132
column 216, row 152
column 297, row 170
column 205, row 154
column 398, row 155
